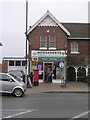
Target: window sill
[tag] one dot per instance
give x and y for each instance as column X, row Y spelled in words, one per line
column 74, row 52
column 52, row 48
column 43, row 48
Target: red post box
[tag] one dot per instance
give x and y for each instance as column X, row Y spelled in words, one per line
column 36, row 77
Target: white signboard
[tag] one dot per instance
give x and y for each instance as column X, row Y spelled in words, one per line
column 61, row 53
column 61, row 64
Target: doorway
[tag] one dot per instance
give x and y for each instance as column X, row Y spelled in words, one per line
column 48, row 72
column 71, row 76
column 81, row 73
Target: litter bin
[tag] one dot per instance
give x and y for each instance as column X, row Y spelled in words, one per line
column 36, row 77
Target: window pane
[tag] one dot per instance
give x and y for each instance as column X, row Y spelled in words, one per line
column 43, row 40
column 5, row 78
column 11, row 63
column 18, row 63
column 23, row 63
column 74, row 47
column 52, row 41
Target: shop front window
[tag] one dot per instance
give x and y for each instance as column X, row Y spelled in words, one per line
column 58, row 72
column 40, row 68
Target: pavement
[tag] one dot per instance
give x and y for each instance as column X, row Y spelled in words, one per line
column 71, row 87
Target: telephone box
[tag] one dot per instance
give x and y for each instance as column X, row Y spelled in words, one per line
column 36, row 77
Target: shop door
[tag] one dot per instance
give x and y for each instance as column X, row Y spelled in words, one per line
column 48, row 72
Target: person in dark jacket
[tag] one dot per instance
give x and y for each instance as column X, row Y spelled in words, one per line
column 23, row 77
column 31, row 77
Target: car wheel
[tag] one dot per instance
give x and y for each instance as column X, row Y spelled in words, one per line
column 18, row 92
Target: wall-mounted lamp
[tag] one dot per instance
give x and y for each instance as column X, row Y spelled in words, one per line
column 47, row 31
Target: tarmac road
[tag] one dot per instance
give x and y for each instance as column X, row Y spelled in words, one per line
column 46, row 105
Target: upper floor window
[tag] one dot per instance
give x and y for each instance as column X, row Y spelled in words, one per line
column 43, row 41
column 74, row 47
column 23, row 63
column 18, row 63
column 52, row 41
column 11, row 62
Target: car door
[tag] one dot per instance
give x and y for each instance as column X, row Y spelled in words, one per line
column 7, row 83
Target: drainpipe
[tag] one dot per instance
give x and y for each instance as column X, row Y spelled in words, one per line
column 76, row 73
column 86, row 70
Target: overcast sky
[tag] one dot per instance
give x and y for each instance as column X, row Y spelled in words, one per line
column 13, row 20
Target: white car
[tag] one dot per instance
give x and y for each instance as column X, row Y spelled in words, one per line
column 9, row 84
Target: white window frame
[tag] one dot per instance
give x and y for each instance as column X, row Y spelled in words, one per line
column 18, row 63
column 9, row 64
column 74, row 48
column 45, row 40
column 52, row 41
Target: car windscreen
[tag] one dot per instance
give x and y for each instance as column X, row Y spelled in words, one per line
column 17, row 78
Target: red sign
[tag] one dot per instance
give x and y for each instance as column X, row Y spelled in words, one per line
column 35, row 59
column 33, row 63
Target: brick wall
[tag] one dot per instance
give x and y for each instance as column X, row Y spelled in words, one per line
column 78, row 59
column 5, row 66
column 61, row 37
column 61, row 43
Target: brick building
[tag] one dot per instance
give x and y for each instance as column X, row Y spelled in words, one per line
column 13, row 63
column 63, row 47
column 59, row 47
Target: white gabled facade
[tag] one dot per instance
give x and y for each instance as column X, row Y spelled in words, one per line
column 48, row 20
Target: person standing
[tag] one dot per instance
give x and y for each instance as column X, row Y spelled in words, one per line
column 63, row 82
column 31, row 77
column 49, row 75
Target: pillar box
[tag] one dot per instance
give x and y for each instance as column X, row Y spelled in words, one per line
column 36, row 77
